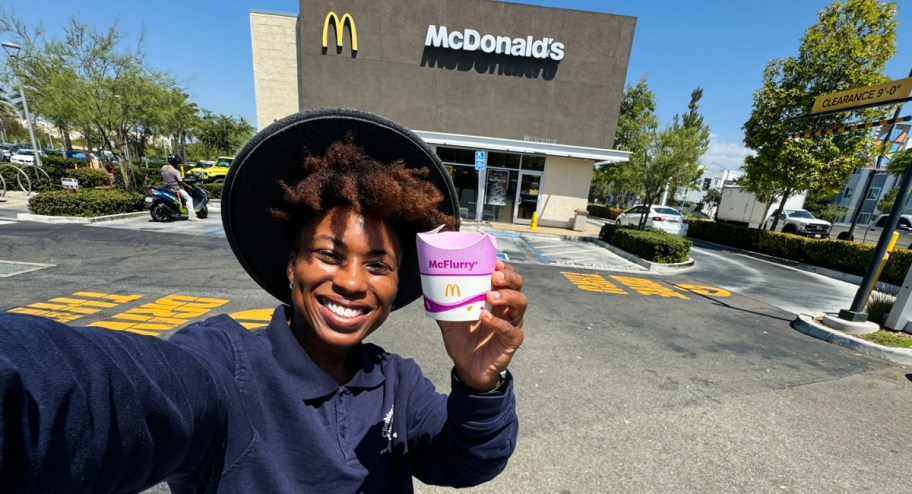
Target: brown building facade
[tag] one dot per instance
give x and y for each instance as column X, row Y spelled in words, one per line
column 519, row 101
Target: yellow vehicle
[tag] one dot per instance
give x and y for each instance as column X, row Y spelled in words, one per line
column 212, row 172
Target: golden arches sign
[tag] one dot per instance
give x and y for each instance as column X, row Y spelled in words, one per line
column 339, row 23
column 452, row 291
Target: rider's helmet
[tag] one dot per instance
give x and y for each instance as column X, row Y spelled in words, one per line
column 174, row 159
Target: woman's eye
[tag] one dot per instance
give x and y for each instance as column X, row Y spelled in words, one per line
column 327, row 256
column 379, row 268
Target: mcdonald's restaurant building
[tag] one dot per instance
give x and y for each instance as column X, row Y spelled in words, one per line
column 520, row 102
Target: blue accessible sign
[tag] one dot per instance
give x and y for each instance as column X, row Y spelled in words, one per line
column 480, row 159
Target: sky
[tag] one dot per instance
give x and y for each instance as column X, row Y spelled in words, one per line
column 721, row 46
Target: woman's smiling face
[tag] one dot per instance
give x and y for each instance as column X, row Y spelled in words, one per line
column 345, row 276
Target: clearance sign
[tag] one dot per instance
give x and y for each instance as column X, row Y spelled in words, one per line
column 878, row 94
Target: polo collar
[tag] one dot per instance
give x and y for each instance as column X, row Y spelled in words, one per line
column 309, row 378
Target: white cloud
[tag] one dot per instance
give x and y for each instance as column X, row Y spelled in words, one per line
column 727, row 155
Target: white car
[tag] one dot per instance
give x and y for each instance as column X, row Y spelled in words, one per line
column 24, row 156
column 800, row 222
column 665, row 218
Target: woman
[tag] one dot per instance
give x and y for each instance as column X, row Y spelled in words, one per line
column 322, row 209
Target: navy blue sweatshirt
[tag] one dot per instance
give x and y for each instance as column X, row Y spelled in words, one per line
column 219, row 408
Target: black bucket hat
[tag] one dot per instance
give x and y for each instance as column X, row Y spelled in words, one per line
column 278, row 152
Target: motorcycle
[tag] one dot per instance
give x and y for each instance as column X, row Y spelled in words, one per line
column 165, row 205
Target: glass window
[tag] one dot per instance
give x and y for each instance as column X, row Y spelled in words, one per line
column 874, row 193
column 881, row 222
column 533, row 162
column 456, row 155
column 865, row 218
column 847, row 194
column 465, row 180
column 446, row 154
column 504, row 160
column 464, row 156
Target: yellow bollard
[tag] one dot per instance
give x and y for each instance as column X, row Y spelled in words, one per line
column 883, row 263
column 534, row 225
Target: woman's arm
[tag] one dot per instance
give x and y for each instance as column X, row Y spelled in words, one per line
column 95, row 410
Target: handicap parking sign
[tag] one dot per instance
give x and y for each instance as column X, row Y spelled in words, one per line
column 480, row 159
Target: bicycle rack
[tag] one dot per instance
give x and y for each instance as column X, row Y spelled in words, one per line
column 20, row 174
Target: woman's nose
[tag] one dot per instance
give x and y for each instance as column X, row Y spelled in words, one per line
column 351, row 278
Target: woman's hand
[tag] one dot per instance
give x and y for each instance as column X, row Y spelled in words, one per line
column 482, row 349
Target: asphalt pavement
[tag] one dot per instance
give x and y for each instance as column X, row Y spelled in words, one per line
column 628, row 380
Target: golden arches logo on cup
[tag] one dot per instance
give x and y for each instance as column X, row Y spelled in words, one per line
column 452, row 291
column 339, row 23
column 456, row 273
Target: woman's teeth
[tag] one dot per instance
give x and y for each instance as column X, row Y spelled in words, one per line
column 342, row 311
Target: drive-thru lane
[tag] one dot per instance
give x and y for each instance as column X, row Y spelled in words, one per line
column 627, row 382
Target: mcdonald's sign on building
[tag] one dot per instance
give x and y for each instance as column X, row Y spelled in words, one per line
column 538, row 89
column 338, row 24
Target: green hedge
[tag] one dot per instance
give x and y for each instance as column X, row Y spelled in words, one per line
column 652, row 245
column 604, row 211
column 839, row 255
column 85, row 203
column 89, row 177
column 214, row 191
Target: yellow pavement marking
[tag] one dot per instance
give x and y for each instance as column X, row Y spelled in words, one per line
column 592, row 283
column 253, row 319
column 711, row 291
column 162, row 315
column 68, row 309
column 648, row 287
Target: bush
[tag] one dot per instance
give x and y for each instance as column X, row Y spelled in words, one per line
column 783, row 245
column 214, row 191
column 85, row 203
column 651, row 244
column 604, row 211
column 607, row 232
column 89, row 177
column 839, row 255
column 721, row 233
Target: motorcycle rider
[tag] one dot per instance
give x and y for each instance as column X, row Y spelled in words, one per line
column 175, row 183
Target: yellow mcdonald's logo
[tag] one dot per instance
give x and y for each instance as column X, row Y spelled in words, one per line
column 340, row 25
column 452, row 291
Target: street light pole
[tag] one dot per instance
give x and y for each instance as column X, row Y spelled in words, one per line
column 12, row 51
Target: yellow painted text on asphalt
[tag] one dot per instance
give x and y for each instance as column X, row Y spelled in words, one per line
column 163, row 315
column 70, row 308
column 596, row 283
column 648, row 287
column 593, row 283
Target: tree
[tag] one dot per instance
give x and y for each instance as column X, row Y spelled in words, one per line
column 697, row 140
column 222, row 134
column 636, row 124
column 860, row 31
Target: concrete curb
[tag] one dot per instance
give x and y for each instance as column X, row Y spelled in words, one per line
column 809, row 326
column 656, row 267
column 76, row 219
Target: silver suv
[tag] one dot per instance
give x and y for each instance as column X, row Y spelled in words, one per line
column 903, row 227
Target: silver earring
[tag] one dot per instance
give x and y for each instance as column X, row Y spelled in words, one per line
column 291, row 285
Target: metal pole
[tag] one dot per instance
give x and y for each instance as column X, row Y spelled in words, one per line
column 28, row 117
column 856, row 312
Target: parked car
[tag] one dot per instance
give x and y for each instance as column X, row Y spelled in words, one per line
column 212, row 173
column 75, row 155
column 800, row 222
column 8, row 150
column 24, row 156
column 903, row 227
column 665, row 218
